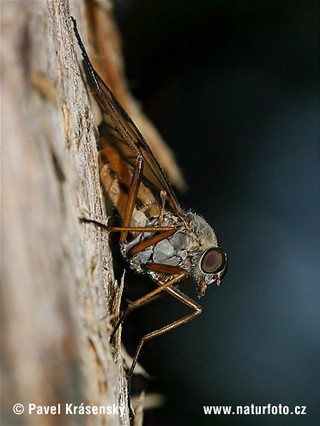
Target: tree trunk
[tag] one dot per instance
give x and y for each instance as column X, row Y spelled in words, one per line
column 58, row 291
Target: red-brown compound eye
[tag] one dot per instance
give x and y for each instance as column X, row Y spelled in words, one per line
column 213, row 260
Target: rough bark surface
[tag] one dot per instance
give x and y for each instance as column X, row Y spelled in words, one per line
column 57, row 281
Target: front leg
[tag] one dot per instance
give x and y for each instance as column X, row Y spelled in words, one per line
column 179, row 279
column 172, row 270
column 183, row 298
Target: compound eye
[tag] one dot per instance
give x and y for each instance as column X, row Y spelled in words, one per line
column 213, row 261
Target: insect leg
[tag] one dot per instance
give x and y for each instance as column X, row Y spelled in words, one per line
column 132, row 196
column 131, row 200
column 152, row 299
column 128, row 228
column 179, row 272
column 130, row 203
column 183, row 298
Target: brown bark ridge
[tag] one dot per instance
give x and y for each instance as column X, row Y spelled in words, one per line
column 58, row 290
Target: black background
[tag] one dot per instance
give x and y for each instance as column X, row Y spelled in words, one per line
column 232, row 86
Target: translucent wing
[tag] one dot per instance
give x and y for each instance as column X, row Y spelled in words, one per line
column 131, row 143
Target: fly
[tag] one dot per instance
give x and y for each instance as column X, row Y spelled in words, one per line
column 157, row 237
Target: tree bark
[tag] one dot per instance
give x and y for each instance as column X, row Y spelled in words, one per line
column 58, row 291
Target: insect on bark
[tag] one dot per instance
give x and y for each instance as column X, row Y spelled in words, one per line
column 157, row 237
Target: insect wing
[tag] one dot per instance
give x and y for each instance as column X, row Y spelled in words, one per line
column 129, row 136
column 131, row 143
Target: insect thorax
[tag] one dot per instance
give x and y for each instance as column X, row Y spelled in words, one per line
column 182, row 249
